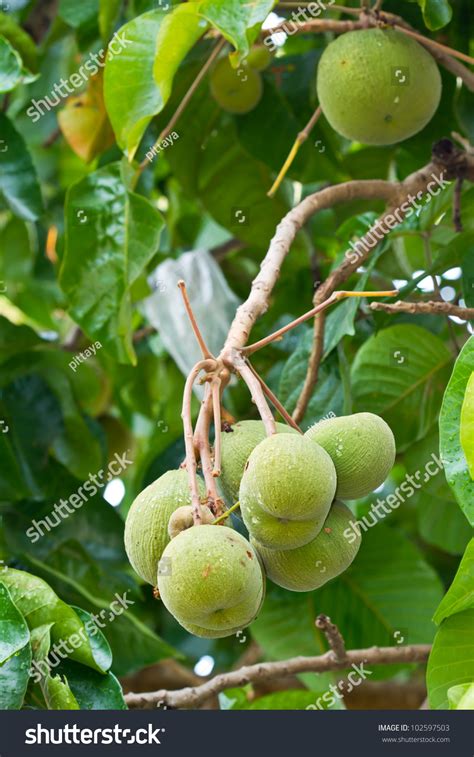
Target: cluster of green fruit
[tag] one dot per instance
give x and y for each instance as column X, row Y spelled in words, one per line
column 290, row 486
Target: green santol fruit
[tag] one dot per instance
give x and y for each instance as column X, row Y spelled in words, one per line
column 259, row 57
column 236, row 90
column 146, row 527
column 362, row 448
column 182, row 518
column 377, row 86
column 211, row 580
column 325, row 557
column 286, row 491
column 237, row 444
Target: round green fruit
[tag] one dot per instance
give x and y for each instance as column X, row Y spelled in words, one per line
column 146, row 527
column 236, row 90
column 259, row 57
column 286, row 491
column 182, row 518
column 211, row 581
column 325, row 557
column 362, row 449
column 237, row 444
column 377, row 86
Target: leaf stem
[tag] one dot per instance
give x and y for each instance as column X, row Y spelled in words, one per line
column 302, row 137
column 226, row 514
column 206, row 353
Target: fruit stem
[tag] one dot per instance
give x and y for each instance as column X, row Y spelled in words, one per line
column 226, row 514
column 206, row 353
column 275, row 401
column 201, row 442
column 256, row 391
column 216, row 406
column 335, row 297
column 302, row 137
column 191, row 463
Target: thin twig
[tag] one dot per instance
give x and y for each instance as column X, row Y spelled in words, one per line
column 193, row 696
column 216, row 402
column 226, row 514
column 431, row 43
column 432, row 308
column 334, row 637
column 206, row 353
column 300, row 139
column 201, row 441
column 257, row 393
column 274, row 400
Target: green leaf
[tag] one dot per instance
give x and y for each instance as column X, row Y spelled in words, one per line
column 460, row 595
column 40, row 605
column 461, row 697
column 436, row 13
column 399, row 373
column 91, row 690
column 111, row 236
column 451, row 661
column 138, row 81
column 108, row 14
column 57, row 694
column 14, row 633
column 238, row 22
column 328, row 393
column 18, row 179
column 286, row 700
column 14, row 676
column 451, row 450
column 10, row 66
column 77, row 14
column 388, row 588
column 467, row 425
column 99, row 644
column 19, row 39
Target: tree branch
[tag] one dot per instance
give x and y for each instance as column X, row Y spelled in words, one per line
column 193, row 696
column 333, row 635
column 432, row 307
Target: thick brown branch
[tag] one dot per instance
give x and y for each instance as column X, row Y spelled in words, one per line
column 193, row 696
column 433, row 307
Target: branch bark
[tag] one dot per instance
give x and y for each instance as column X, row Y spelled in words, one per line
column 432, row 307
column 193, row 696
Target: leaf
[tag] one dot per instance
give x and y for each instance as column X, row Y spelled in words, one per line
column 18, row 179
column 10, row 66
column 436, row 13
column 467, row 425
column 111, row 235
column 14, row 676
column 399, row 373
column 238, row 22
column 460, row 595
column 327, row 396
column 451, row 661
column 40, row 605
column 287, row 700
column 388, row 588
column 84, row 122
column 451, row 451
column 461, row 697
column 109, row 11
column 78, row 14
column 138, row 81
column 99, row 644
column 14, row 633
column 91, row 690
column 20, row 40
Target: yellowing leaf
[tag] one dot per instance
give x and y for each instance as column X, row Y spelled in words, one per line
column 84, row 121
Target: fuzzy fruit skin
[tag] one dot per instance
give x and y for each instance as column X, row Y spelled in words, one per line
column 286, row 491
column 215, row 583
column 236, row 448
column 311, row 566
column 146, row 527
column 364, row 98
column 362, row 448
column 182, row 518
column 235, row 93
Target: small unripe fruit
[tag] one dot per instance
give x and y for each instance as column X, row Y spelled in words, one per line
column 378, row 86
column 362, row 448
column 325, row 557
column 237, row 444
column 182, row 518
column 286, row 491
column 259, row 57
column 146, row 527
column 236, row 90
column 213, row 583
